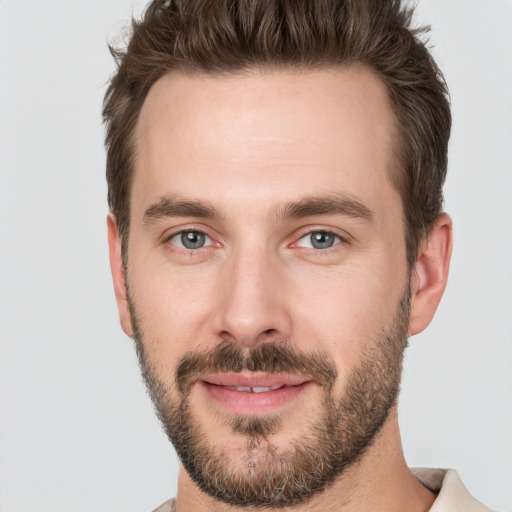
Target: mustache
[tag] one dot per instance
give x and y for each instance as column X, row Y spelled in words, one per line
column 272, row 357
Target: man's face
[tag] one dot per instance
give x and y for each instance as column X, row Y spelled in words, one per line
column 266, row 274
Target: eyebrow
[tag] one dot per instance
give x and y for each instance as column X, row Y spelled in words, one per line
column 335, row 204
column 172, row 207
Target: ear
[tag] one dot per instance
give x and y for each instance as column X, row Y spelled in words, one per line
column 118, row 275
column 430, row 274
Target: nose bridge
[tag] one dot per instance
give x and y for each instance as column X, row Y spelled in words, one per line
column 252, row 306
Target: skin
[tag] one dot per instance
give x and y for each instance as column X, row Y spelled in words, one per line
column 248, row 145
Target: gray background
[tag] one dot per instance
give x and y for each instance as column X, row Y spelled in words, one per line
column 77, row 432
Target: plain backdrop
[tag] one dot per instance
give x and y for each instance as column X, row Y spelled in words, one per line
column 77, row 431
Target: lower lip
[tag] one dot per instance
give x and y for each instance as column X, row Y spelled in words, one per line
column 242, row 402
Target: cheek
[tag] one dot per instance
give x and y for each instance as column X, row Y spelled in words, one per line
column 346, row 311
column 173, row 309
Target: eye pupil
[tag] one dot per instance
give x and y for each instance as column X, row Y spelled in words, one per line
column 322, row 240
column 192, row 239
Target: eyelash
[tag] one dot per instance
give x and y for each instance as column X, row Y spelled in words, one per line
column 190, row 230
column 339, row 240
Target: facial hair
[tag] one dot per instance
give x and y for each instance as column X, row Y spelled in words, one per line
column 334, row 440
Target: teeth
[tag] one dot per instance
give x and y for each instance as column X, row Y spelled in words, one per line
column 255, row 389
column 247, row 389
column 260, row 389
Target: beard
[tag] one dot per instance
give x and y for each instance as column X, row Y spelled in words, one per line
column 260, row 475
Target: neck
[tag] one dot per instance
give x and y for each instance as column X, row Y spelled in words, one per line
column 379, row 481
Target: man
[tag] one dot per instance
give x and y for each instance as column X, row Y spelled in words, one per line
column 276, row 233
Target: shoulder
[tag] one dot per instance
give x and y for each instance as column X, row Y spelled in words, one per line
column 452, row 495
column 168, row 506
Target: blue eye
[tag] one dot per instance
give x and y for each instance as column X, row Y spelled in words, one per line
column 191, row 240
column 319, row 240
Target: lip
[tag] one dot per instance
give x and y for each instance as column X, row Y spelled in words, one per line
column 253, row 380
column 220, row 388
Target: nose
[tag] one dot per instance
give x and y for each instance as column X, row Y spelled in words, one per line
column 252, row 307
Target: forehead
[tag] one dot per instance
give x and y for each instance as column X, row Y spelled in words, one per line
column 266, row 133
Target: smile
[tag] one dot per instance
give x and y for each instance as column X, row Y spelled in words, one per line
column 252, row 394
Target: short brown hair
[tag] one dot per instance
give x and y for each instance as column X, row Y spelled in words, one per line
column 223, row 36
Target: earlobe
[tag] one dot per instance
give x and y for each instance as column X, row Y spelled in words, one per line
column 118, row 274
column 430, row 274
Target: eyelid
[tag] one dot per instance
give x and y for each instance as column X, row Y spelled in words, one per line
column 308, row 230
column 309, row 233
column 175, row 232
column 177, row 236
column 343, row 238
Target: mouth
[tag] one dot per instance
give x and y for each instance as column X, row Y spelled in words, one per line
column 255, row 389
column 253, row 394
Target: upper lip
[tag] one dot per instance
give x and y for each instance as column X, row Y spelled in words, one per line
column 261, row 380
